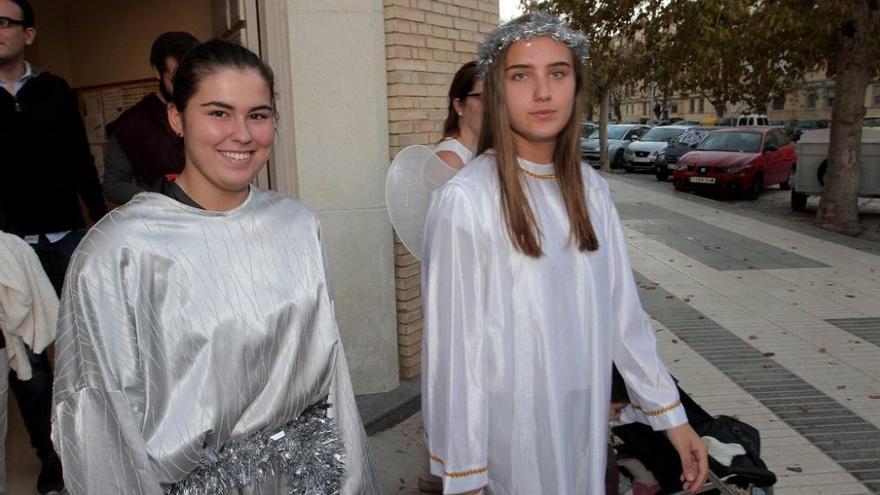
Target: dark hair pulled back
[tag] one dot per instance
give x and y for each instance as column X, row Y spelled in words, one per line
column 462, row 84
column 210, row 57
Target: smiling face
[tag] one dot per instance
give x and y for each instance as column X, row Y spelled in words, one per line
column 14, row 38
column 539, row 86
column 228, row 128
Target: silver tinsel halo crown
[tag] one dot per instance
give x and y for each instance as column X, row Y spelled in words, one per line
column 527, row 27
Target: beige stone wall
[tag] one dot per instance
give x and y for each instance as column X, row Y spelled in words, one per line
column 426, row 41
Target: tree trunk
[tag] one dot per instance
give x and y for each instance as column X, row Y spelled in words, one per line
column 719, row 107
column 603, row 132
column 838, row 207
column 590, row 112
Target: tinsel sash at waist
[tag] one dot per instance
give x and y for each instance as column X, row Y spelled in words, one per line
column 307, row 451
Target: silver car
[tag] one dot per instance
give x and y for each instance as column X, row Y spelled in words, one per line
column 642, row 154
column 619, row 135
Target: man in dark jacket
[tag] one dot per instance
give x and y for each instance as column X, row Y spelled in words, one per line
column 143, row 148
column 47, row 168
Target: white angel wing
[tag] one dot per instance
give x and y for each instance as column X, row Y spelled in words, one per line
column 415, row 173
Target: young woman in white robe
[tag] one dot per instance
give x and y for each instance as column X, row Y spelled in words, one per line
column 529, row 294
column 197, row 347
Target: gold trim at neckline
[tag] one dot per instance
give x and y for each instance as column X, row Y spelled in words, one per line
column 538, row 176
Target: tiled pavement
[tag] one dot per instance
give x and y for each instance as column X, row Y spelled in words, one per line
column 771, row 325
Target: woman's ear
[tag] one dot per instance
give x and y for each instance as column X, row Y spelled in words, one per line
column 458, row 105
column 175, row 118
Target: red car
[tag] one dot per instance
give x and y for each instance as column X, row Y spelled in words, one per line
column 738, row 160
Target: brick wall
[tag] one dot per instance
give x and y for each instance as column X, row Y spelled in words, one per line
column 426, row 41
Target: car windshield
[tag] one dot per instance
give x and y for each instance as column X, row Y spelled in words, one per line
column 692, row 137
column 587, row 129
column 742, row 142
column 661, row 134
column 614, row 132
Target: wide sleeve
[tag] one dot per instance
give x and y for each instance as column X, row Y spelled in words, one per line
column 651, row 388
column 454, row 395
column 99, row 392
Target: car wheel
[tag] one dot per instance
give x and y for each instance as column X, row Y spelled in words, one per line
column 786, row 184
column 618, row 162
column 755, row 188
column 662, row 174
column 820, row 172
column 678, row 185
column 798, row 201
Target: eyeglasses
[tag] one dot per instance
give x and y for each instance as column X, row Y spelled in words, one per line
column 8, row 22
column 473, row 94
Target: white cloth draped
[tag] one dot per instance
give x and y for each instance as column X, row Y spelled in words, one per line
column 28, row 304
column 517, row 351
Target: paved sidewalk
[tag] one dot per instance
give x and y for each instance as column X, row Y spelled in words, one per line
column 759, row 320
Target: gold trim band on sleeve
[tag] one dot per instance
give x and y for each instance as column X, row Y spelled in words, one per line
column 458, row 474
column 662, row 410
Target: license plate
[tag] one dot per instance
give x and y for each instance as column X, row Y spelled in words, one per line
column 703, row 180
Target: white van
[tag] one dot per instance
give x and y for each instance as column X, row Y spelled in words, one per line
column 812, row 152
column 752, row 119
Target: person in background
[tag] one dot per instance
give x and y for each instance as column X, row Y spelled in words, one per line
column 143, row 148
column 529, row 295
column 47, row 169
column 462, row 127
column 197, row 346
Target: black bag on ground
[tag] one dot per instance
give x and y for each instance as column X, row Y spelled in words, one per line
column 653, row 449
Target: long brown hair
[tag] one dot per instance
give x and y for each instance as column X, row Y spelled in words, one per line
column 497, row 134
column 462, row 83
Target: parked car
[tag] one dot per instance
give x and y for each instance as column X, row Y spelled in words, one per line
column 667, row 160
column 871, row 122
column 809, row 178
column 796, row 128
column 738, row 160
column 619, row 135
column 642, row 154
column 587, row 128
column 752, row 119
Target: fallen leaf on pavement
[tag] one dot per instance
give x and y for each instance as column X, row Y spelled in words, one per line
column 850, row 296
column 674, row 341
column 769, row 354
column 822, row 349
column 841, row 387
column 753, row 337
column 874, row 396
column 795, row 469
column 804, row 408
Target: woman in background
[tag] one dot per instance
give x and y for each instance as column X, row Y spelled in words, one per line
column 462, row 127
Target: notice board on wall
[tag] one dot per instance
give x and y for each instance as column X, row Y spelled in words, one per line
column 101, row 105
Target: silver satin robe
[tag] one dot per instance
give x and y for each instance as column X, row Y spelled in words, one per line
column 183, row 329
column 517, row 351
